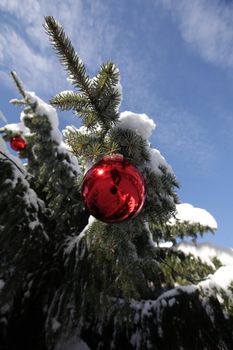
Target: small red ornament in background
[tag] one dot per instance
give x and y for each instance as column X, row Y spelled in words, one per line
column 18, row 143
column 113, row 189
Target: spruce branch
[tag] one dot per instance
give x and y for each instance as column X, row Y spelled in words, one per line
column 110, row 103
column 131, row 145
column 107, row 78
column 106, row 92
column 101, row 92
column 10, row 160
column 68, row 57
column 70, row 100
column 17, row 102
column 18, row 84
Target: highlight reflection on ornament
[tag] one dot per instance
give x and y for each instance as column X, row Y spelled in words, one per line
column 113, row 189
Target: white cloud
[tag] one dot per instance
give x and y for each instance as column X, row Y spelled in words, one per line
column 19, row 56
column 181, row 134
column 207, row 26
column 24, row 45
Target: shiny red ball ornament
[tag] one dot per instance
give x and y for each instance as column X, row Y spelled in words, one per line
column 18, row 143
column 113, row 189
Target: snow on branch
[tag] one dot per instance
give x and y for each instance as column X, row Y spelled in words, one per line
column 29, row 196
column 217, row 282
column 74, row 343
column 186, row 212
column 44, row 109
column 17, row 128
column 74, row 242
column 144, row 126
column 221, row 280
column 207, row 252
column 157, row 161
column 140, row 123
column 6, row 156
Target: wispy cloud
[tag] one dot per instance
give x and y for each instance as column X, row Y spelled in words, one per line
column 16, row 54
column 2, row 117
column 207, row 26
column 24, row 46
column 180, row 134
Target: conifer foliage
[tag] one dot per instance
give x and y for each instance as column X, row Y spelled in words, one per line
column 69, row 281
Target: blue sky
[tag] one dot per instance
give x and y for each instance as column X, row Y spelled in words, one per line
column 176, row 64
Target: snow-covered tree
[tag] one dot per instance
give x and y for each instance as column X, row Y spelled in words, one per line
column 69, row 281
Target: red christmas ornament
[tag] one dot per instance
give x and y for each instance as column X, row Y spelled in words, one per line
column 113, row 189
column 18, row 143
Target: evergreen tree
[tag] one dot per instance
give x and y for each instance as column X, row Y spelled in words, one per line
column 69, row 281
